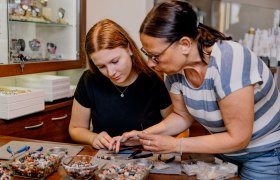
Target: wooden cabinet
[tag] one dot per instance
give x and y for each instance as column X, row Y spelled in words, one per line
column 50, row 124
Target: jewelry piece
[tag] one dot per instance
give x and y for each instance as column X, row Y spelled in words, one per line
column 51, row 47
column 20, row 46
column 34, row 44
column 122, row 92
column 61, row 13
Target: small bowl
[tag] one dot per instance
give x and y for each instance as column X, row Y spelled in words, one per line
column 60, row 151
column 79, row 166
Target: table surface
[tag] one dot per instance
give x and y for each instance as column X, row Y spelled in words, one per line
column 88, row 150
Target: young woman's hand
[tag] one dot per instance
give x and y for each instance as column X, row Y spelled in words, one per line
column 102, row 141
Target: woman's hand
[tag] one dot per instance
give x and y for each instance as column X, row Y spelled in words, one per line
column 160, row 143
column 131, row 138
column 102, row 141
column 128, row 139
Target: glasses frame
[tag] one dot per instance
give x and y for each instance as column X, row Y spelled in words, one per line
column 155, row 58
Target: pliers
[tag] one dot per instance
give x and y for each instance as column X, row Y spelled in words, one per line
column 137, row 154
column 24, row 148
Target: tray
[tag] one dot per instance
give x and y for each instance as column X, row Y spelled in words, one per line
column 10, row 94
column 15, row 145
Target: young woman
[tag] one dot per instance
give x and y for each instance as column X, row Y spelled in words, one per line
column 216, row 82
column 119, row 93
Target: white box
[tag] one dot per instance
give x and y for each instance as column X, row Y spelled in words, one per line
column 7, row 115
column 43, row 81
column 17, row 101
column 21, row 104
column 49, row 97
column 72, row 90
column 55, row 87
column 47, row 89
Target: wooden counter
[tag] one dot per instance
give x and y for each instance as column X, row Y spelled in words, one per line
column 88, row 150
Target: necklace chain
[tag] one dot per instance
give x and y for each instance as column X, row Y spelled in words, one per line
column 122, row 92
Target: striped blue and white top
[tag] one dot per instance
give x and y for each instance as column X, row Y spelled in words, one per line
column 233, row 67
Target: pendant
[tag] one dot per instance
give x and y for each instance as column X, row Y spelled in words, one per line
column 122, row 95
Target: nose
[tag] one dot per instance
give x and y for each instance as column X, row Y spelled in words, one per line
column 111, row 71
column 151, row 63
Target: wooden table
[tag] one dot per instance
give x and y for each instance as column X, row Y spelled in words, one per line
column 88, row 150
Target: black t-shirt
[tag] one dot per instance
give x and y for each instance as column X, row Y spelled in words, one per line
column 138, row 109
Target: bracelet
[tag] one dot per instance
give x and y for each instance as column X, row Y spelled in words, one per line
column 181, row 151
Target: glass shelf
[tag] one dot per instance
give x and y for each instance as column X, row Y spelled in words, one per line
column 40, row 23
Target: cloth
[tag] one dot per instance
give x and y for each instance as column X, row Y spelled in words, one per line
column 255, row 165
column 138, row 109
column 233, row 67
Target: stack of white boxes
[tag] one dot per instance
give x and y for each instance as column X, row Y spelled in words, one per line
column 55, row 87
column 16, row 102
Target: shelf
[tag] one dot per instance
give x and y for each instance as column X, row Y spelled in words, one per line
column 40, row 23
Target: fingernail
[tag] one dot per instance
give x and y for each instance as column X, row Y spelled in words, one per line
column 121, row 140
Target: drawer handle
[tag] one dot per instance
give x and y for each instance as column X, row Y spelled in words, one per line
column 59, row 118
column 34, row 126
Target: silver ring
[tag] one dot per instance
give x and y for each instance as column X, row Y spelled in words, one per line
column 149, row 142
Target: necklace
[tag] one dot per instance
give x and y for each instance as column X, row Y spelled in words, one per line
column 122, row 92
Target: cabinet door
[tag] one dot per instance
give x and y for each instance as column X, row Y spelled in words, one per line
column 56, row 125
column 43, row 37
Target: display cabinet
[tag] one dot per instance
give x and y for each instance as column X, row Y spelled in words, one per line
column 41, row 35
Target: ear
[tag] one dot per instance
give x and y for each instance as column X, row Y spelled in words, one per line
column 129, row 50
column 185, row 44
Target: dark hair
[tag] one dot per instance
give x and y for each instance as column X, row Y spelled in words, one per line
column 175, row 19
column 106, row 34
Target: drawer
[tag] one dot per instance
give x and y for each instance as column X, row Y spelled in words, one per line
column 26, row 126
column 50, row 125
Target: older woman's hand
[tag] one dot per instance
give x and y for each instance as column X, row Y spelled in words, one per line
column 128, row 139
column 160, row 143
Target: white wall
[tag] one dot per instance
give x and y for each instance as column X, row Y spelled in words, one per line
column 128, row 13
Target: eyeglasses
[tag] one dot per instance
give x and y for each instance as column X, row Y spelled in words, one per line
column 153, row 57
